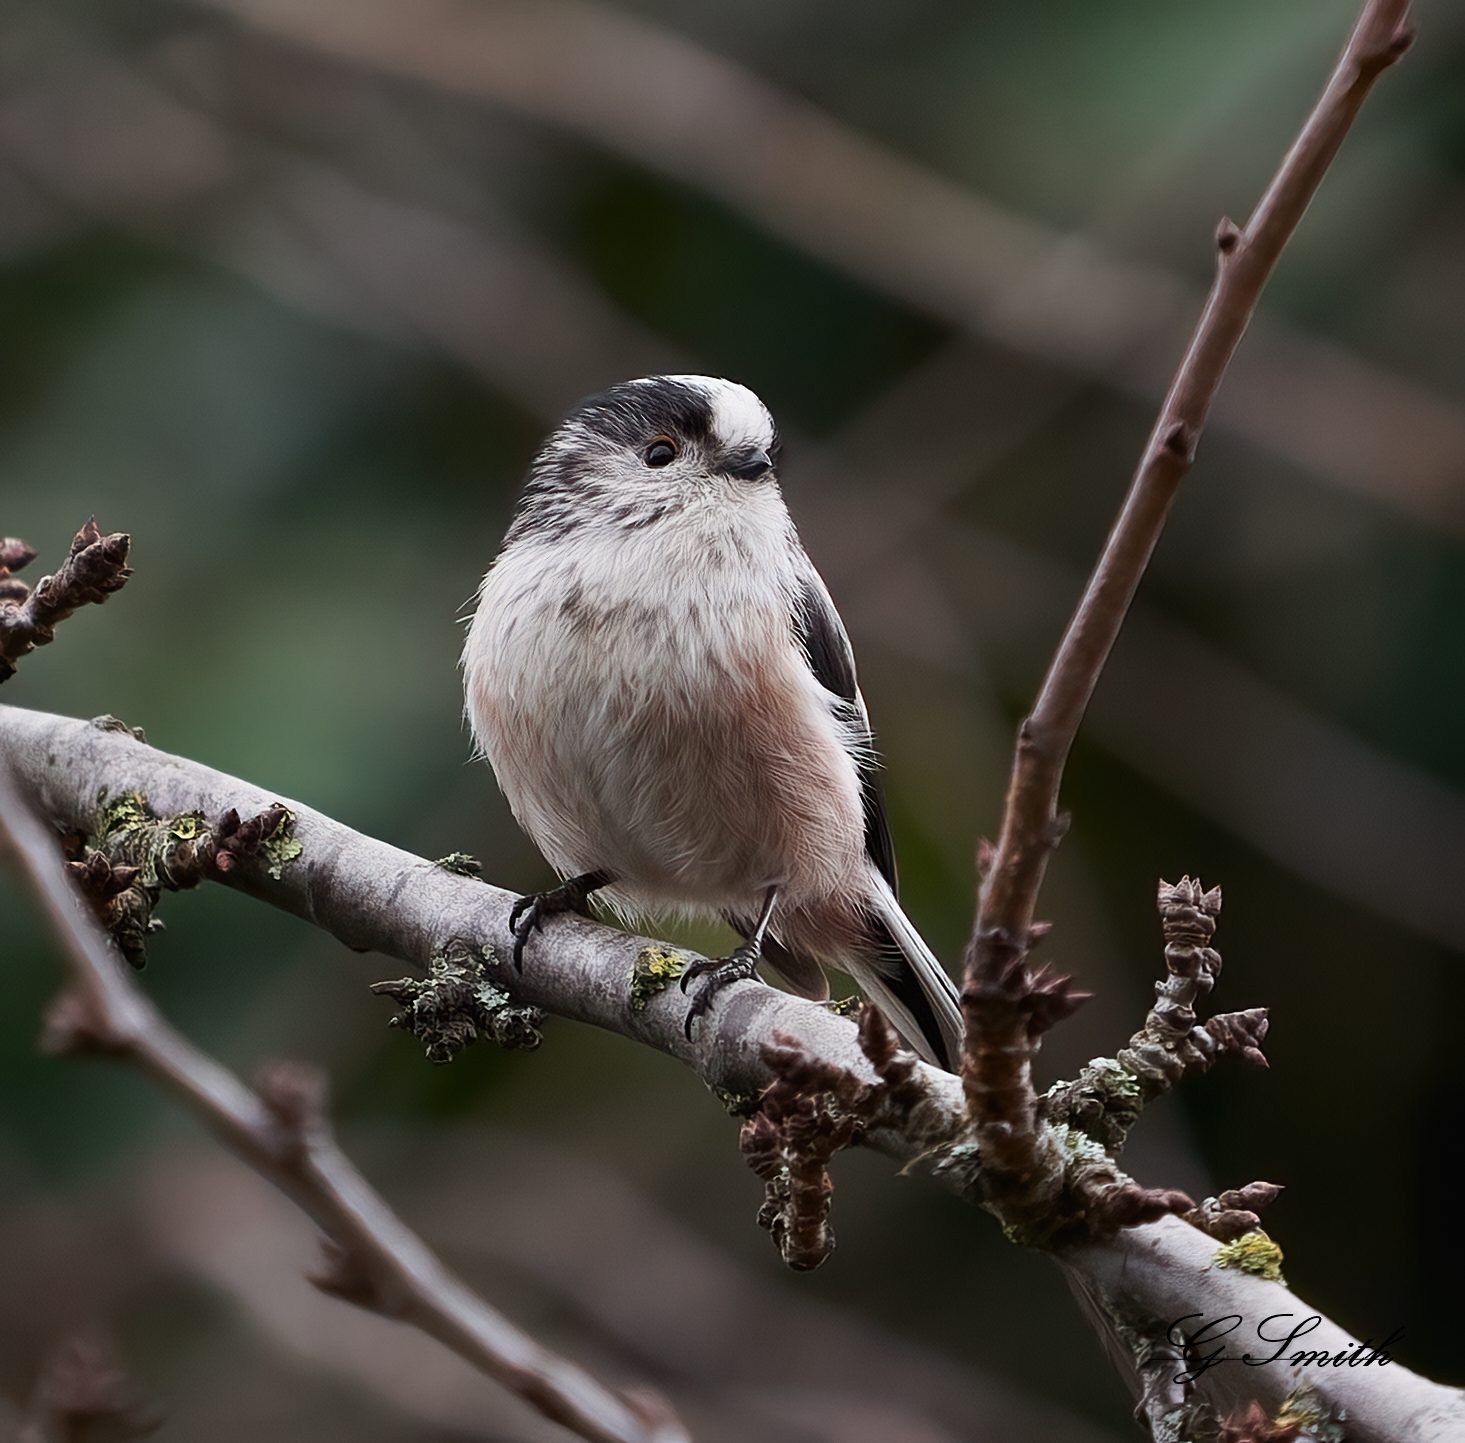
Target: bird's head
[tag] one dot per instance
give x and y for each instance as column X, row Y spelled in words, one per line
column 642, row 450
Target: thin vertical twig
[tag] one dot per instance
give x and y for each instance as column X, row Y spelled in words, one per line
column 1000, row 1040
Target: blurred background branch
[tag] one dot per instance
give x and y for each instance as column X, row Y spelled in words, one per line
column 661, row 102
column 279, row 1128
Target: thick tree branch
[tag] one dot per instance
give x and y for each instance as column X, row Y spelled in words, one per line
column 280, row 1129
column 1000, row 1041
column 374, row 896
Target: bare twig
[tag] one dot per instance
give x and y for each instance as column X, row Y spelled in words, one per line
column 808, row 1113
column 1000, row 1042
column 1109, row 1093
column 800, row 1124
column 95, row 567
column 279, row 1128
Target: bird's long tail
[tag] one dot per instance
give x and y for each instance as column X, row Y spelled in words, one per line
column 908, row 984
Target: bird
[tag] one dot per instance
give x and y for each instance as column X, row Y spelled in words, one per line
column 667, row 696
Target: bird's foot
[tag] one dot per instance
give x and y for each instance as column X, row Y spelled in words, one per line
column 739, row 965
column 529, row 912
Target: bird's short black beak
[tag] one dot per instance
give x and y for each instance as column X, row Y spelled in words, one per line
column 748, row 465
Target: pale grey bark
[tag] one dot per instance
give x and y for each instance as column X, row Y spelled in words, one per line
column 375, row 896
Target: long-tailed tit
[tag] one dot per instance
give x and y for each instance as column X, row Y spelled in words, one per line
column 667, row 696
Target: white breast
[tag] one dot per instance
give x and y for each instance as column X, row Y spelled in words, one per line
column 647, row 711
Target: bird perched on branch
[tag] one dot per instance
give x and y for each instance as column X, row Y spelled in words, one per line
column 667, row 696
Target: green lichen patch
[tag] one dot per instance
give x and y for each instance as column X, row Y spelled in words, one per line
column 653, row 971
column 958, row 1163
column 281, row 848
column 1105, row 1100
column 186, row 826
column 110, row 723
column 736, row 1104
column 1305, row 1410
column 125, row 813
column 846, row 1006
column 156, row 853
column 457, row 1003
column 1114, row 1081
column 1077, row 1146
column 1253, row 1253
column 460, row 864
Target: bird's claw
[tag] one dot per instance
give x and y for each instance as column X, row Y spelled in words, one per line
column 739, row 965
column 527, row 915
column 533, row 912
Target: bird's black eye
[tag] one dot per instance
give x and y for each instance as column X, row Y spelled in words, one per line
column 661, row 452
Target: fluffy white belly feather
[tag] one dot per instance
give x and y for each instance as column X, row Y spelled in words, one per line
column 647, row 711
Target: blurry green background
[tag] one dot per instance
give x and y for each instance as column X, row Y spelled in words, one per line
column 290, row 291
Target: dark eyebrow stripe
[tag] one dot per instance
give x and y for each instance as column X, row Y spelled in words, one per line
column 634, row 411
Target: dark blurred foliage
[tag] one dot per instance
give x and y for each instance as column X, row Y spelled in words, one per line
column 294, row 312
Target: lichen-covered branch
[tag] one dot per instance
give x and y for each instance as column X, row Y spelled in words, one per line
column 1108, row 1095
column 279, row 1127
column 131, row 857
column 373, row 896
column 95, row 567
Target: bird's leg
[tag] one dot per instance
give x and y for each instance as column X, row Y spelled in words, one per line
column 529, row 912
column 740, row 963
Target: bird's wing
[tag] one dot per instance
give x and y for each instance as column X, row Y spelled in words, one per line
column 826, row 645
column 903, row 977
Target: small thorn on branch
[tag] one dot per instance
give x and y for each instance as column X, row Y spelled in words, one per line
column 294, row 1096
column 73, row 1024
column 1051, row 998
column 84, row 1394
column 986, row 855
column 344, row 1273
column 1228, row 235
column 1179, row 442
column 1039, row 996
column 1404, row 38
